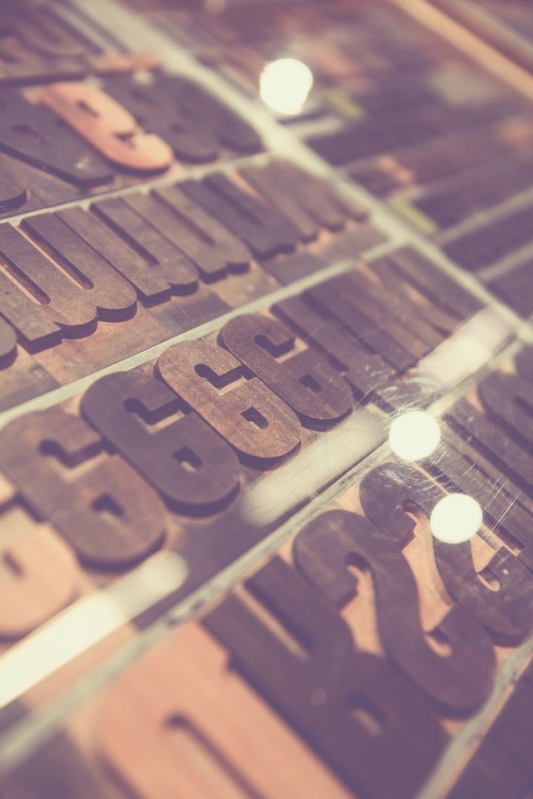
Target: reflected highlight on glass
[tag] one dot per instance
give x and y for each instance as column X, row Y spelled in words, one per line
column 456, row 518
column 87, row 622
column 285, row 84
column 323, row 460
column 414, row 435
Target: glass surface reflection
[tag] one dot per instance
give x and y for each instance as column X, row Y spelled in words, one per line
column 456, row 518
column 414, row 435
column 285, row 84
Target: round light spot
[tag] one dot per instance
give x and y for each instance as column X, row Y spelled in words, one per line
column 456, row 518
column 285, row 84
column 414, row 435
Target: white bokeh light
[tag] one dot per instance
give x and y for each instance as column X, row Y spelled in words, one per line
column 456, row 518
column 414, row 435
column 285, row 84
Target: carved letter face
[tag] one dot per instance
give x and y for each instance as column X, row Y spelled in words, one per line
column 109, row 515
column 309, row 385
column 250, row 417
column 186, row 461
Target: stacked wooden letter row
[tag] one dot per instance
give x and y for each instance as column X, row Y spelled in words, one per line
column 217, row 574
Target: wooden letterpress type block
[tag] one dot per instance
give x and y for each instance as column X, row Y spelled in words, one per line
column 310, row 386
column 186, row 461
column 108, row 514
column 254, row 420
column 37, row 135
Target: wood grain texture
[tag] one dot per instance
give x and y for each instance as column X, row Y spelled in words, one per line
column 23, row 379
column 182, row 724
column 65, row 304
column 212, row 247
column 37, row 135
column 185, row 459
column 111, row 342
column 39, row 576
column 338, row 298
column 113, row 297
column 108, row 514
column 364, row 371
column 254, row 420
column 461, row 680
column 506, row 613
column 125, row 259
column 310, row 386
column 106, row 125
column 322, row 656
column 173, row 269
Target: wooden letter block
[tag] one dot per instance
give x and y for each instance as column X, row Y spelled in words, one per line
column 308, row 384
column 250, row 417
column 37, row 135
column 211, row 246
column 185, row 460
column 107, row 126
column 309, row 203
column 364, row 371
column 263, row 229
column 181, row 724
column 100, row 505
column 38, row 578
column 113, row 296
column 167, row 267
column 60, row 305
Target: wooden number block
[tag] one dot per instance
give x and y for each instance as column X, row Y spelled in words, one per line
column 107, row 126
column 263, row 229
column 507, row 614
column 459, row 682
